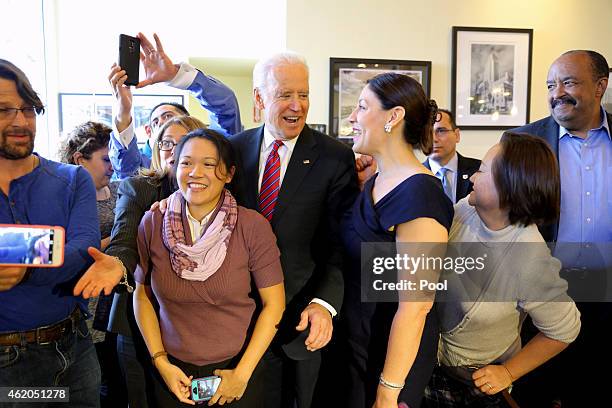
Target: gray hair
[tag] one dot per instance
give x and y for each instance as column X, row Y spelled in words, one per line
column 265, row 65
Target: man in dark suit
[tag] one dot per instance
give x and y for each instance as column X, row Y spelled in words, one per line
column 453, row 169
column 302, row 181
column 578, row 131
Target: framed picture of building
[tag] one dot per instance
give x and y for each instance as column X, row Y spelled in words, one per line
column 348, row 76
column 491, row 77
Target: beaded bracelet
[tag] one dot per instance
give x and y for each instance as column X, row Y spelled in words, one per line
column 388, row 384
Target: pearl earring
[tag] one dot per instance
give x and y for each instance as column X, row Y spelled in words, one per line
column 388, row 128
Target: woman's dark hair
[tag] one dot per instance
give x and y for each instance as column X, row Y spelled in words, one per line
column 9, row 71
column 225, row 151
column 393, row 89
column 87, row 138
column 526, row 175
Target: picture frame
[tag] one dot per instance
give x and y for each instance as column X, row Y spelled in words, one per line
column 491, row 77
column 319, row 127
column 77, row 108
column 607, row 98
column 348, row 76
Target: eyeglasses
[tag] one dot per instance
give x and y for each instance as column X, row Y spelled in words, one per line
column 166, row 145
column 29, row 112
column 441, row 131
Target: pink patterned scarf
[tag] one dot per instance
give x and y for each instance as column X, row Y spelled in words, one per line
column 199, row 261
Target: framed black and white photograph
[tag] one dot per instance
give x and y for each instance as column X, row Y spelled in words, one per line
column 77, row 108
column 607, row 98
column 319, row 127
column 491, row 77
column 348, row 76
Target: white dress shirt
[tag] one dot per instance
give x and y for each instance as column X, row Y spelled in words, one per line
column 196, row 228
column 451, row 174
column 284, row 153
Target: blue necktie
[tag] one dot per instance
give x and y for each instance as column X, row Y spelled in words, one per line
column 441, row 174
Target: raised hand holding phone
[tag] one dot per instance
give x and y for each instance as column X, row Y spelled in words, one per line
column 123, row 95
column 129, row 57
column 157, row 65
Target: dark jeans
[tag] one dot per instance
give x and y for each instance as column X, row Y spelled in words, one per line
column 68, row 362
column 135, row 364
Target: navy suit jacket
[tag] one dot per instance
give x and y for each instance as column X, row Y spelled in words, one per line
column 548, row 129
column 320, row 184
column 466, row 166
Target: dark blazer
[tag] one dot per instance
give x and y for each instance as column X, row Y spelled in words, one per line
column 466, row 166
column 319, row 185
column 548, row 129
column 134, row 197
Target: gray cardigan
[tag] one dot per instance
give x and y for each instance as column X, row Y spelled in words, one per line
column 477, row 332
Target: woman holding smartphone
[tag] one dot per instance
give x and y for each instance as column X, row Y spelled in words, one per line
column 135, row 197
column 198, row 262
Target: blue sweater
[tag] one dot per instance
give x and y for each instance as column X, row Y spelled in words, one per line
column 52, row 194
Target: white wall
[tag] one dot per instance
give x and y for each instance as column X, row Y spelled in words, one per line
column 241, row 85
column 421, row 30
column 88, row 32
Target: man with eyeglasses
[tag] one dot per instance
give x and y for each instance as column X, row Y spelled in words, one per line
column 44, row 341
column 215, row 97
column 453, row 169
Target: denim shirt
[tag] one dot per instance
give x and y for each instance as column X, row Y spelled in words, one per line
column 586, row 195
column 58, row 195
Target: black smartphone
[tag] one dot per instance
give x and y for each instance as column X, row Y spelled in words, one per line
column 129, row 57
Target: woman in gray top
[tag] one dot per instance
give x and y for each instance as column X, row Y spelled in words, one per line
column 516, row 188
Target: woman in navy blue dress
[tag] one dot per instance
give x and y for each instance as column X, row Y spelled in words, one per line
column 393, row 344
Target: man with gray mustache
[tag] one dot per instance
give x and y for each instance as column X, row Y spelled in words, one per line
column 578, row 131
